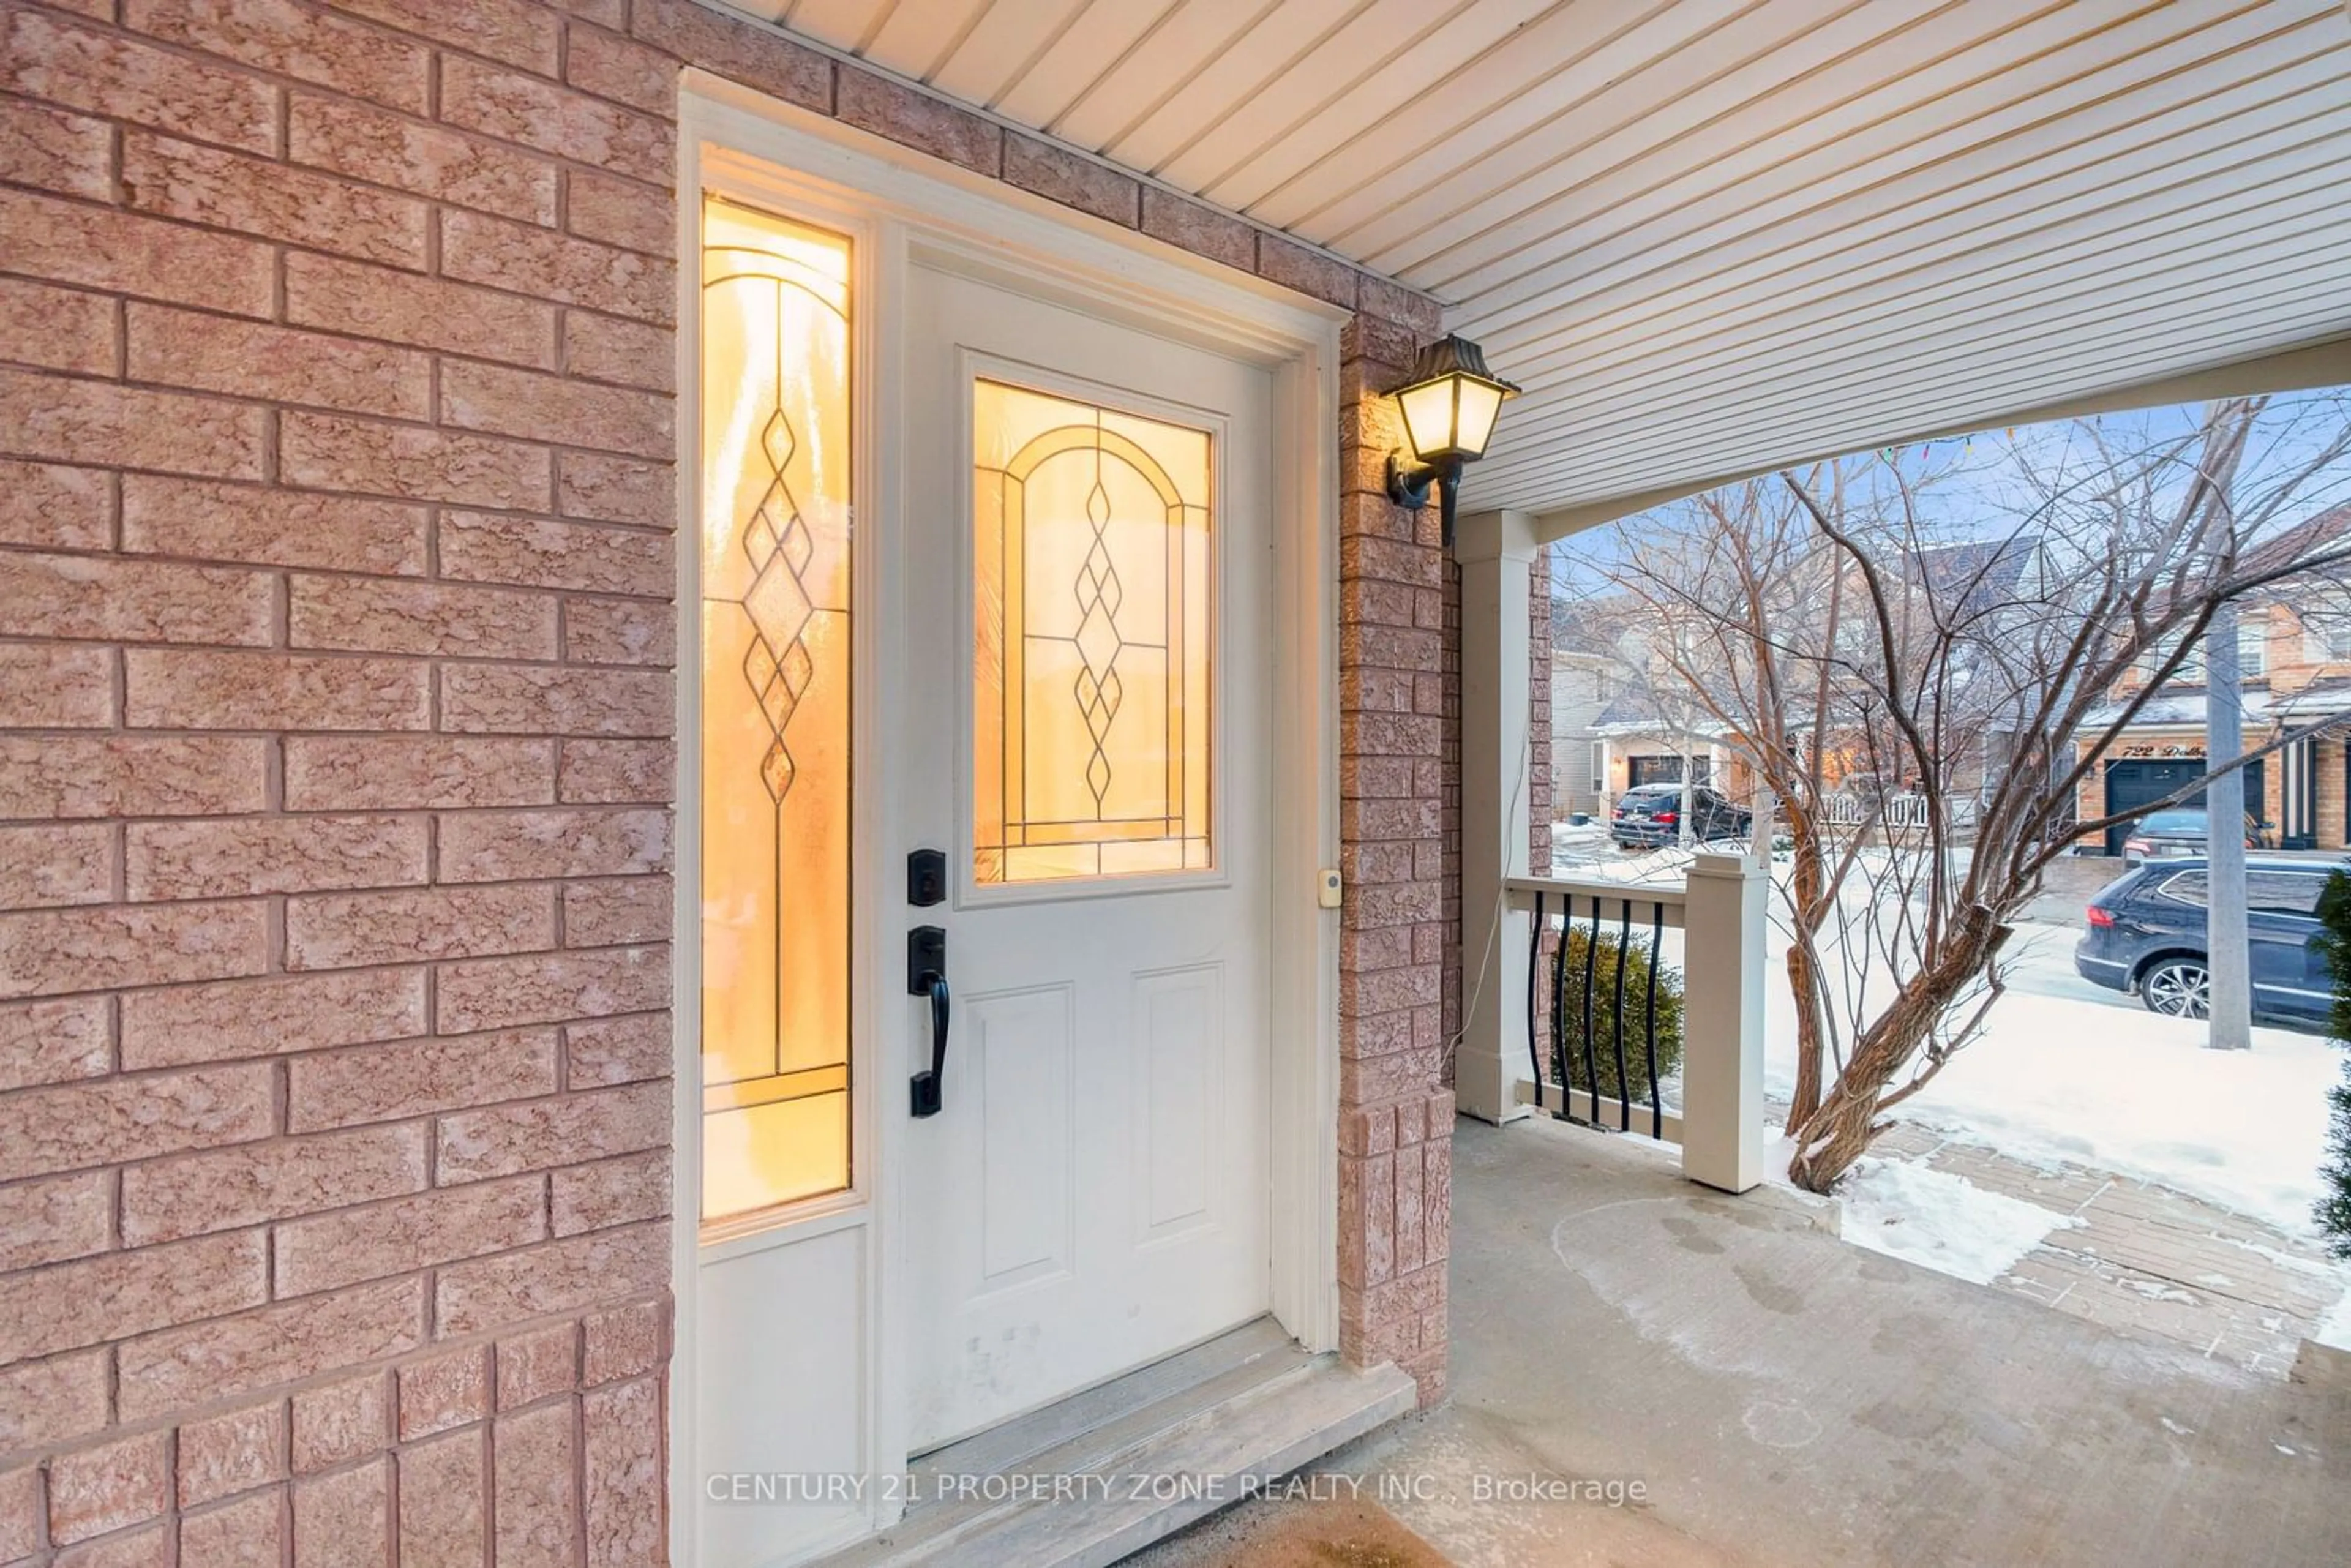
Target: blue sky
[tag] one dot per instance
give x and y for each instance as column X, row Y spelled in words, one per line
column 1983, row 496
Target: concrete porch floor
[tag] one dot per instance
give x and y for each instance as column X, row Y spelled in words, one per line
column 1787, row 1398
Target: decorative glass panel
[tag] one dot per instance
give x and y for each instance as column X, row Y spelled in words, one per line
column 1091, row 674
column 776, row 699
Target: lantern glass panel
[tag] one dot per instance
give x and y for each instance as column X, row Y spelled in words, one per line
column 1428, row 414
column 1476, row 412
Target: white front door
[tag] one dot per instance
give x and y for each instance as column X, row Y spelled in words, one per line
column 1085, row 737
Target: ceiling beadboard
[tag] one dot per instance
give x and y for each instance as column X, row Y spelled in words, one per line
column 1711, row 235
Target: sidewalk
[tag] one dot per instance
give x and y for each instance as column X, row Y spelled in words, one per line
column 2150, row 1261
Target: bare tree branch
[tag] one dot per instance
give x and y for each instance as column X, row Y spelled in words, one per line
column 1926, row 681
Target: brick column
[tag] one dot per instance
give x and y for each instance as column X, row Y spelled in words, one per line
column 1399, row 800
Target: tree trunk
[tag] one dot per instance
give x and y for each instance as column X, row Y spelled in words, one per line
column 1841, row 1130
column 1806, row 878
column 1805, row 1101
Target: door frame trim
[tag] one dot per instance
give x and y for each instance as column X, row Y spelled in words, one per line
column 901, row 200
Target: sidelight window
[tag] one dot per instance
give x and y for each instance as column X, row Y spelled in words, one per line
column 774, row 539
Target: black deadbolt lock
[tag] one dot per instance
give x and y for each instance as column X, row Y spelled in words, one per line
column 926, row 878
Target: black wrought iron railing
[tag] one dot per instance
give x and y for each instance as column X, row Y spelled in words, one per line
column 1604, row 1005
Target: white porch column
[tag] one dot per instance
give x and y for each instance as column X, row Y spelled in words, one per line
column 1496, row 552
column 1723, row 1024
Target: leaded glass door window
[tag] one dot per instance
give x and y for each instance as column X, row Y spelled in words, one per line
column 1094, row 550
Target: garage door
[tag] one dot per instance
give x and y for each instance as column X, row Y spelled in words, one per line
column 1665, row 769
column 2138, row 782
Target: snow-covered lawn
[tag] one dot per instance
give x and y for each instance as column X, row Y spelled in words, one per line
column 2067, row 1072
column 2337, row 1330
column 2096, row 1080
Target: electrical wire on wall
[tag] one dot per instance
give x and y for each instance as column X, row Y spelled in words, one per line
column 1501, row 893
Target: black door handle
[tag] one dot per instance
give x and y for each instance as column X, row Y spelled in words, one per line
column 926, row 976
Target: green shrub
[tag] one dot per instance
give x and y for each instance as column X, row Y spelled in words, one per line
column 2335, row 1201
column 2334, row 1209
column 1604, row 960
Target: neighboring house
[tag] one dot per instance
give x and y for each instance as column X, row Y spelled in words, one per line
column 1594, row 658
column 1619, row 716
column 1650, row 729
column 2295, row 662
column 1636, row 742
column 1986, row 584
column 1581, row 686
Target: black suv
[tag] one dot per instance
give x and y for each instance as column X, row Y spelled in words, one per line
column 2146, row 935
column 1651, row 814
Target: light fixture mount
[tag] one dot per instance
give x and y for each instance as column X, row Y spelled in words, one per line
column 1448, row 404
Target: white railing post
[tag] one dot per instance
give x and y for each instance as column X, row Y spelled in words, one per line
column 1722, row 1023
column 1496, row 552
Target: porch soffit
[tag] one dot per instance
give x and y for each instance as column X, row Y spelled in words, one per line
column 1713, row 235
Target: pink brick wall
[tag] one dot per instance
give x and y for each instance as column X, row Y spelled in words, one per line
column 335, row 623
column 336, row 628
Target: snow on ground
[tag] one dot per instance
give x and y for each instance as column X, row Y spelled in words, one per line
column 2070, row 1071
column 1930, row 1217
column 1943, row 1221
column 2066, row 1071
column 2337, row 1330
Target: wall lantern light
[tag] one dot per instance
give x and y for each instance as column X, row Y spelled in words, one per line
column 1449, row 402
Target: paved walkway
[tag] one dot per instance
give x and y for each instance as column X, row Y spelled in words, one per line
column 2151, row 1261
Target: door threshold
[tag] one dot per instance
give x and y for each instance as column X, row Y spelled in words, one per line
column 1106, row 1472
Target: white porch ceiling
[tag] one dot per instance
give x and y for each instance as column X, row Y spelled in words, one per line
column 1711, row 236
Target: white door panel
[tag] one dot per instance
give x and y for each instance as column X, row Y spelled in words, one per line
column 1021, row 1136
column 1179, row 1041
column 760, row 1361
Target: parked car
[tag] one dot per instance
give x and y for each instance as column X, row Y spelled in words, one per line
column 1652, row 814
column 2184, row 830
column 2146, row 935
